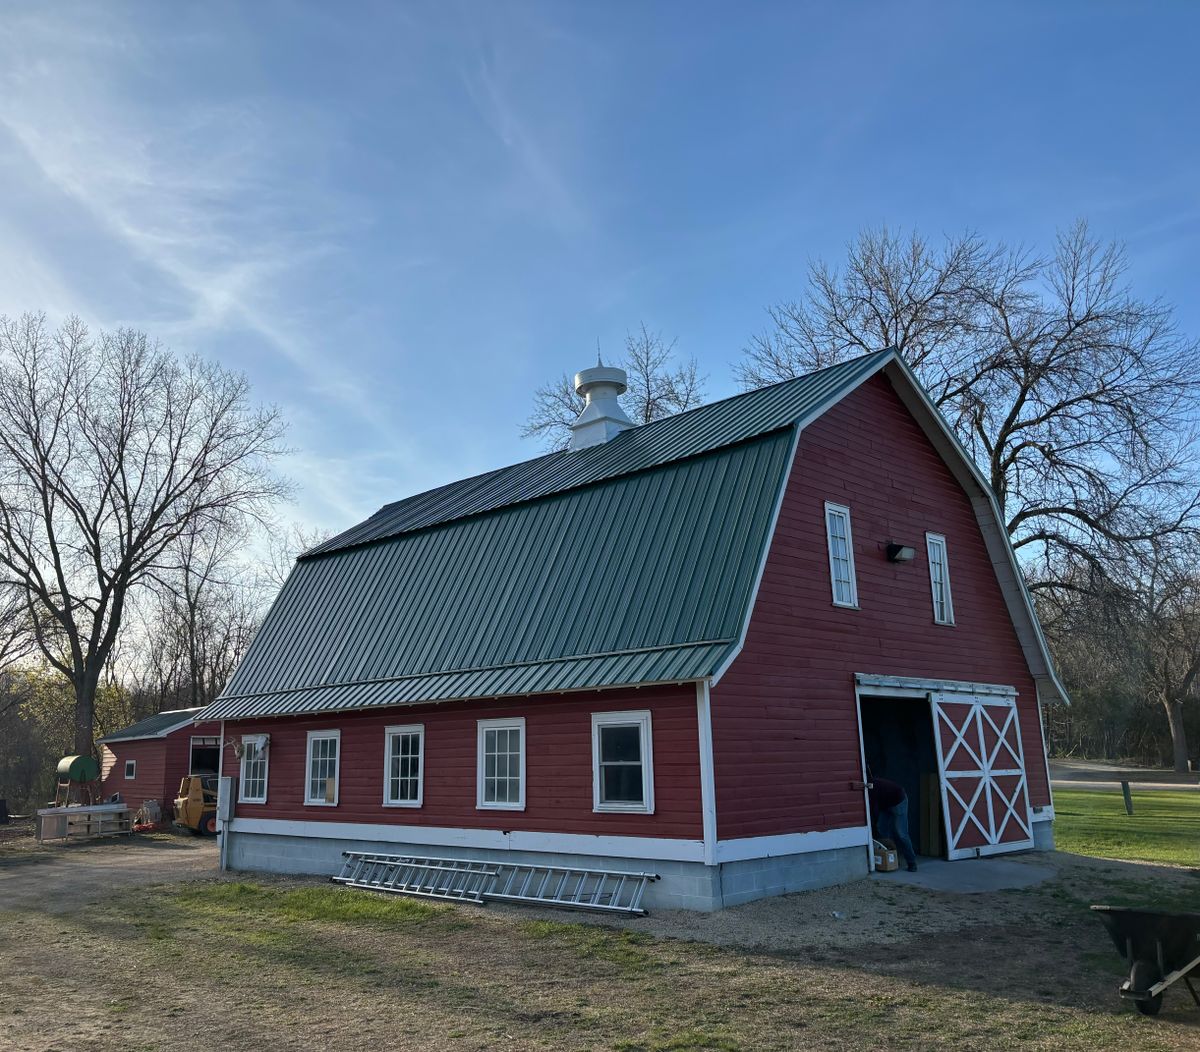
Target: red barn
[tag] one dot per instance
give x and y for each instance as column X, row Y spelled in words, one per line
column 148, row 760
column 673, row 647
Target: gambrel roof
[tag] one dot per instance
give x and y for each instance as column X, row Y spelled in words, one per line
column 626, row 563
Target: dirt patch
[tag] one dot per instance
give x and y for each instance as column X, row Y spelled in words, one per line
column 281, row 963
column 63, row 877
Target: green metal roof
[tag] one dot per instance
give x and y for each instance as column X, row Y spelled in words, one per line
column 687, row 434
column 629, row 562
column 636, row 579
column 157, row 726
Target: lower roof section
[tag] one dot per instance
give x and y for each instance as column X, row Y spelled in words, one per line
column 671, row 664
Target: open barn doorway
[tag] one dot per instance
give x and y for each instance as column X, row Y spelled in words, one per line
column 898, row 744
column 206, row 755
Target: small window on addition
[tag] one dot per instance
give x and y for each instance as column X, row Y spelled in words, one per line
column 130, row 770
column 939, row 579
column 622, row 762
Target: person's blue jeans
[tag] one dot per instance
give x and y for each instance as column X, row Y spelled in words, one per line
column 893, row 825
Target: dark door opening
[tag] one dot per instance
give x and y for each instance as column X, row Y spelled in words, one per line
column 206, row 755
column 898, row 744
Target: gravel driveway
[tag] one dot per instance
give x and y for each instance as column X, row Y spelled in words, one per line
column 59, row 878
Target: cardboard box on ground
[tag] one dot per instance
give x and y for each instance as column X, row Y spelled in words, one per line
column 885, row 856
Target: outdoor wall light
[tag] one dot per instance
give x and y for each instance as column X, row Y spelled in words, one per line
column 900, row 553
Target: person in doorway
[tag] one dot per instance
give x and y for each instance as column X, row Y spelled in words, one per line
column 889, row 815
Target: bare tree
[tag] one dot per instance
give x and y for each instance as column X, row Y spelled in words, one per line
column 659, row 384
column 1077, row 398
column 285, row 544
column 1165, row 626
column 111, row 450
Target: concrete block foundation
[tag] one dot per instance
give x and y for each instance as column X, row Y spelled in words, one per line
column 681, row 885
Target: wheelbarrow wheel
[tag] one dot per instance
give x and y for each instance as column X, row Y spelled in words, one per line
column 1143, row 975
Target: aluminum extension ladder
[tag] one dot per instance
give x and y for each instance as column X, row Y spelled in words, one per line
column 479, row 881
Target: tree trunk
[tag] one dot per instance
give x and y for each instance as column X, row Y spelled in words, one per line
column 1178, row 734
column 85, row 714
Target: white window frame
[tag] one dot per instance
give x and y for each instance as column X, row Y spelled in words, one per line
column 254, row 739
column 840, row 510
column 337, row 768
column 482, row 727
column 388, row 734
column 938, row 541
column 641, row 720
column 130, row 770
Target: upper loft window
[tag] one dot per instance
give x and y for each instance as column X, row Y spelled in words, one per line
column 841, row 555
column 130, row 769
column 939, row 579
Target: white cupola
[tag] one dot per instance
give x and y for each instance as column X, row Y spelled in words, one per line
column 602, row 418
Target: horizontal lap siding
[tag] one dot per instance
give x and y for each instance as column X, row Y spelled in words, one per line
column 178, row 762
column 558, row 794
column 784, row 718
column 148, row 785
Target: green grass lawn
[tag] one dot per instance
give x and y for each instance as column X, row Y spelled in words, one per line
column 1164, row 826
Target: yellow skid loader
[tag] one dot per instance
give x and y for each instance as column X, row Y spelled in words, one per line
column 196, row 804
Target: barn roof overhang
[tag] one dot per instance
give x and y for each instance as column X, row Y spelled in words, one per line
column 160, row 725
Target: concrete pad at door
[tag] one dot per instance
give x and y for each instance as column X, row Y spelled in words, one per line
column 970, row 876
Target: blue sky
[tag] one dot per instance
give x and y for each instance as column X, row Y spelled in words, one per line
column 398, row 219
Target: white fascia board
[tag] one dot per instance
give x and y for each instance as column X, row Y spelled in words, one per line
column 732, row 654
column 991, row 523
column 670, row 850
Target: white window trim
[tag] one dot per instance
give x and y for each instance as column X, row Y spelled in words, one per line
column 388, row 733
column 129, row 777
column 624, row 719
column 482, row 726
column 337, row 768
column 841, row 509
column 938, row 540
column 266, row 759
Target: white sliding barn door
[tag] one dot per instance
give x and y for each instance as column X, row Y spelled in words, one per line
column 985, row 797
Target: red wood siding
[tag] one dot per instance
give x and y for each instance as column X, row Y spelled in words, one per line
column 558, row 794
column 161, row 764
column 785, row 731
column 150, row 755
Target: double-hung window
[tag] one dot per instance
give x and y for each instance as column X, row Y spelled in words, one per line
column 404, row 761
column 252, row 781
column 324, row 755
column 501, row 772
column 622, row 762
column 841, row 555
column 130, row 770
column 939, row 579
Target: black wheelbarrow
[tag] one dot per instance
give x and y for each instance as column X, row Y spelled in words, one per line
column 1161, row 949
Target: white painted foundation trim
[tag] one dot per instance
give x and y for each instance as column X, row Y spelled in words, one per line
column 491, row 839
column 567, row 843
column 1046, row 814
column 791, row 843
column 923, row 686
column 708, row 784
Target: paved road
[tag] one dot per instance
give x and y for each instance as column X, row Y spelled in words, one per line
column 1098, row 774
column 59, row 878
